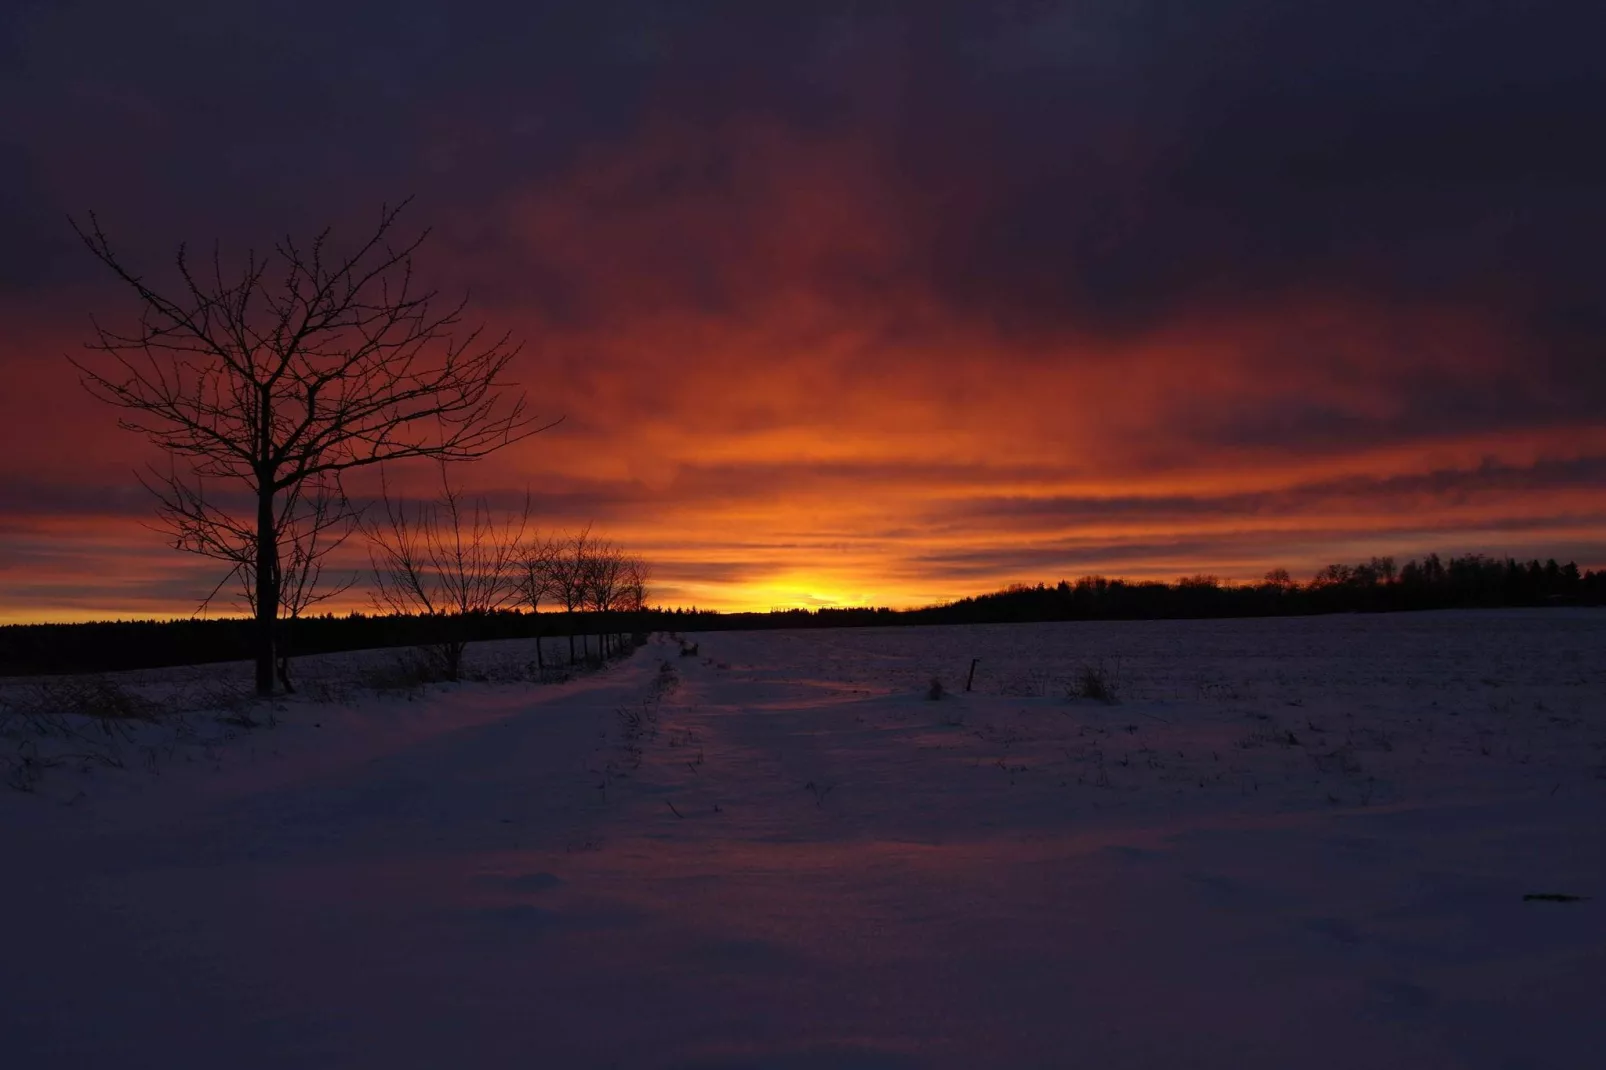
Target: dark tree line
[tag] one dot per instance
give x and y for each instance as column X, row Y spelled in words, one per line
column 1377, row 585
column 113, row 646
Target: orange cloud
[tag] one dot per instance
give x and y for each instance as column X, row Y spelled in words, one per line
column 768, row 393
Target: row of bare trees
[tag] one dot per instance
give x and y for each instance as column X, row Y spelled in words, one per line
column 582, row 572
column 266, row 380
column 452, row 558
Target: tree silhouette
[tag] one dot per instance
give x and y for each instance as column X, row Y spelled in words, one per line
column 451, row 560
column 312, row 520
column 289, row 369
column 569, row 567
column 537, row 580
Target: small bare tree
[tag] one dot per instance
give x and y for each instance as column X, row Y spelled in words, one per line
column 622, row 587
column 327, row 523
column 604, row 569
column 538, row 580
column 584, row 574
column 294, row 366
column 569, row 566
column 450, row 560
column 635, row 576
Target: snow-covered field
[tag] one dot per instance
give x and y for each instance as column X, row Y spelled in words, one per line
column 1293, row 843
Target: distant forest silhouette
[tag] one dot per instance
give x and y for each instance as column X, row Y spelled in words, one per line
column 1373, row 586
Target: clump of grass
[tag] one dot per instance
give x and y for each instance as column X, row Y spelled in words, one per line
column 24, row 770
column 329, row 691
column 1269, row 735
column 407, row 672
column 234, row 704
column 1036, row 683
column 1095, row 683
column 92, row 696
column 665, row 682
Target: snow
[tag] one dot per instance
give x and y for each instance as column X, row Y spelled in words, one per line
column 1294, row 842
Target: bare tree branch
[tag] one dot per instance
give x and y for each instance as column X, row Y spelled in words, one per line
column 277, row 376
column 447, row 559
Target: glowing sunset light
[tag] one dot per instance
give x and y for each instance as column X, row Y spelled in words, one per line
column 863, row 330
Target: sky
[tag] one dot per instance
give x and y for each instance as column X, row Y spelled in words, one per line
column 855, row 302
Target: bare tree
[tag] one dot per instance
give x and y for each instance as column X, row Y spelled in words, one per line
column 297, row 365
column 310, row 536
column 615, row 582
column 569, row 567
column 622, row 587
column 449, row 560
column 1279, row 579
column 633, row 586
column 313, row 519
column 604, row 567
column 538, row 580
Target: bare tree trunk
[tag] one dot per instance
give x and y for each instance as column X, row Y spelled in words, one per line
column 281, row 655
column 267, row 591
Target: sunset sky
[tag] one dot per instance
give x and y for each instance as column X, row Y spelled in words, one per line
column 886, row 303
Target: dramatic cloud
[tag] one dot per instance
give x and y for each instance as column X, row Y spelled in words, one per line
column 882, row 302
